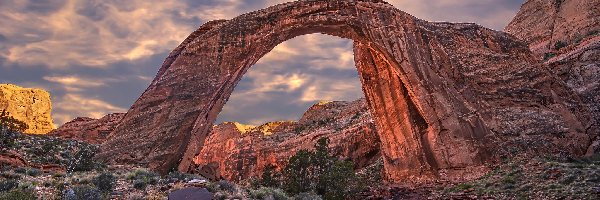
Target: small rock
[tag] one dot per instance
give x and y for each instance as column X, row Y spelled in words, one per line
column 192, row 193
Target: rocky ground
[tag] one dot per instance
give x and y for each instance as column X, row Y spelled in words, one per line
column 78, row 177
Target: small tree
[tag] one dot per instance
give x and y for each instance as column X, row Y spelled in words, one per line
column 296, row 173
column 10, row 123
column 338, row 180
column 269, row 177
column 322, row 162
column 320, row 172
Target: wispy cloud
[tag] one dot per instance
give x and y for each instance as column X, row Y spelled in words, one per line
column 70, row 106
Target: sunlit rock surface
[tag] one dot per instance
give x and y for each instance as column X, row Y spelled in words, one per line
column 29, row 105
column 543, row 23
column 94, row 131
column 240, row 153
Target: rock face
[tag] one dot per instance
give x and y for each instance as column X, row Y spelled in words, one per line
column 240, row 153
column 94, row 131
column 442, row 95
column 32, row 106
column 543, row 23
column 576, row 25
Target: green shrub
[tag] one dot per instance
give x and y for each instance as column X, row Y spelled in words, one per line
column 296, row 175
column 83, row 192
column 269, row 177
column 105, row 182
column 18, row 194
column 8, row 122
column 20, row 170
column 268, row 193
column 559, row 45
column 548, row 56
column 212, row 187
column 141, row 178
column 33, row 172
column 337, row 181
column 10, row 175
column 308, row 196
column 226, row 186
column 7, row 185
column 139, row 184
column 318, row 171
column 83, row 160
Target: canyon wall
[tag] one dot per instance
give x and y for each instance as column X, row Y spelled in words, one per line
column 567, row 34
column 240, row 152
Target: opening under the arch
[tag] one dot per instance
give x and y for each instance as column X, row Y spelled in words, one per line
column 295, row 75
column 305, row 89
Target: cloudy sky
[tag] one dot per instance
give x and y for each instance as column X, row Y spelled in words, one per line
column 97, row 56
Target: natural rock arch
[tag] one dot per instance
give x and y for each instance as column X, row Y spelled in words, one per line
column 437, row 91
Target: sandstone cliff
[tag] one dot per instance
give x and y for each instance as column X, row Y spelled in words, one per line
column 89, row 130
column 32, row 106
column 567, row 32
column 239, row 153
column 544, row 23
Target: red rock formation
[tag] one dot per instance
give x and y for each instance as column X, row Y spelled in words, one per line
column 239, row 152
column 14, row 159
column 440, row 93
column 94, row 131
column 543, row 23
column 576, row 24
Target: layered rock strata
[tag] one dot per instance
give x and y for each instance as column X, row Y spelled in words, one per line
column 567, row 32
column 544, row 23
column 94, row 131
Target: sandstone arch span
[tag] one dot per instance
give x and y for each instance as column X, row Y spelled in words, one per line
column 438, row 91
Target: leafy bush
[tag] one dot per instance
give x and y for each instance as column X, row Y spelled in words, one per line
column 268, row 193
column 139, row 184
column 82, row 192
column 141, row 178
column 18, row 194
column 7, row 185
column 318, row 171
column 20, row 170
column 337, row 181
column 105, row 182
column 548, row 56
column 296, row 175
column 33, row 172
column 10, row 175
column 269, row 177
column 308, row 196
column 83, row 160
column 226, row 186
column 559, row 45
